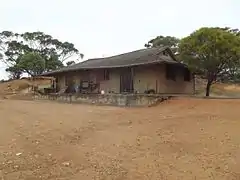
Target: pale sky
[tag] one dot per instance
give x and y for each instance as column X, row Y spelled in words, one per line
column 107, row 27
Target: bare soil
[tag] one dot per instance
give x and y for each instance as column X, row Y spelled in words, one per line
column 179, row 139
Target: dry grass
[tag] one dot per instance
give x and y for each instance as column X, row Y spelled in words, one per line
column 179, row 139
column 14, row 85
column 18, row 89
column 220, row 89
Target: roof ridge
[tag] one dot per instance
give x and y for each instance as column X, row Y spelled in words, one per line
column 92, row 59
column 163, row 48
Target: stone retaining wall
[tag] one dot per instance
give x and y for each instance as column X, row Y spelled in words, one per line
column 130, row 100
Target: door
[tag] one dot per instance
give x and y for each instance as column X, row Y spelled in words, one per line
column 126, row 80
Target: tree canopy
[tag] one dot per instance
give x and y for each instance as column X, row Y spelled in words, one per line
column 21, row 52
column 170, row 41
column 31, row 63
column 211, row 52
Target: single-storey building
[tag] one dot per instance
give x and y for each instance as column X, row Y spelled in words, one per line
column 151, row 70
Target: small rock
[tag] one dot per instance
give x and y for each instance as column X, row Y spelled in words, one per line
column 18, row 154
column 9, row 162
column 66, row 163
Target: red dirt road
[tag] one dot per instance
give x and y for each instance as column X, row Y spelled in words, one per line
column 179, row 139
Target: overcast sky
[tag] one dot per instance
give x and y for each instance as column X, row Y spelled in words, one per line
column 106, row 27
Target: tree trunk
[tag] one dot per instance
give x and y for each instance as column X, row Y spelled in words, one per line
column 208, row 88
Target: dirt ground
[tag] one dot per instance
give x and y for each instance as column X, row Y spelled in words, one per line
column 179, row 139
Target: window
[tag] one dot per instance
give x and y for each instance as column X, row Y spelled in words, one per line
column 171, row 72
column 106, row 74
column 187, row 75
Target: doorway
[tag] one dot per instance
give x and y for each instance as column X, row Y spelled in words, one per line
column 126, row 80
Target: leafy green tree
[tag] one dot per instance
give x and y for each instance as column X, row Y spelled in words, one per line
column 31, row 63
column 52, row 63
column 211, row 52
column 15, row 72
column 159, row 41
column 46, row 45
column 54, row 52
